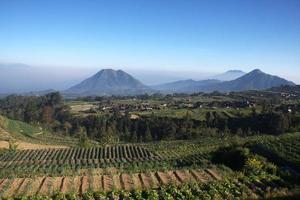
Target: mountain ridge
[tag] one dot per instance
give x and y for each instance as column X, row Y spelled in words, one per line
column 254, row 80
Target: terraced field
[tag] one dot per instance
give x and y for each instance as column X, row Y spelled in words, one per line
column 74, row 158
column 284, row 150
column 81, row 184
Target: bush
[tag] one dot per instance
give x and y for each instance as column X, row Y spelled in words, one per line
column 257, row 165
column 233, row 157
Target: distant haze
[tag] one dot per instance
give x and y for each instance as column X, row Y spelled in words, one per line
column 156, row 40
column 25, row 78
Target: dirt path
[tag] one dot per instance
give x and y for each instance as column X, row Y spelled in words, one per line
column 26, row 145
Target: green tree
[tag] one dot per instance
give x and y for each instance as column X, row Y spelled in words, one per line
column 67, row 126
column 148, row 136
column 83, row 138
column 134, row 137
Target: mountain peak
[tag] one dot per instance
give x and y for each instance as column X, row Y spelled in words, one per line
column 229, row 75
column 257, row 71
column 109, row 82
column 234, row 71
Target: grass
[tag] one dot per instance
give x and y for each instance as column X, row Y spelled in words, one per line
column 19, row 127
column 197, row 114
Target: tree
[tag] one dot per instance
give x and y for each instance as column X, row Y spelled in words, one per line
column 110, row 137
column 47, row 114
column 67, row 126
column 148, row 136
column 31, row 112
column 280, row 123
column 239, row 132
column 134, row 137
column 56, row 125
column 83, row 138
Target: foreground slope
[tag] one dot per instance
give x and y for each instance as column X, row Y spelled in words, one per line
column 24, row 136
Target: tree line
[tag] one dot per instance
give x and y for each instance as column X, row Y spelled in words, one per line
column 51, row 112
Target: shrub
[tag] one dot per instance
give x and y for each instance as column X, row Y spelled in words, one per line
column 233, row 157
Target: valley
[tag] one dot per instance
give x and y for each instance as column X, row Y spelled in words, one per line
column 204, row 145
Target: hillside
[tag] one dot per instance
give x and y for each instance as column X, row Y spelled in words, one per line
column 24, row 135
column 254, row 80
column 184, row 86
column 109, row 82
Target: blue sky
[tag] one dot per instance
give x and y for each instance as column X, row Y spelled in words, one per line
column 170, row 35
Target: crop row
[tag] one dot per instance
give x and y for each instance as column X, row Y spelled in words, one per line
column 49, row 160
column 243, row 187
column 109, row 152
column 284, row 150
column 80, row 184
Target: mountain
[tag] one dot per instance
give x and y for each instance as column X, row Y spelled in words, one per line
column 229, row 75
column 184, row 86
column 254, row 80
column 109, row 82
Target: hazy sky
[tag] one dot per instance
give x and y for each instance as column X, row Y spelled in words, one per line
column 179, row 35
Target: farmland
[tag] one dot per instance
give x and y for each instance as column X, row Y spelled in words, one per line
column 104, row 183
column 218, row 146
column 51, row 160
column 283, row 150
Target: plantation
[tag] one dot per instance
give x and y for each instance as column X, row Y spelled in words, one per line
column 200, row 146
column 49, row 160
column 284, row 150
column 103, row 183
column 241, row 187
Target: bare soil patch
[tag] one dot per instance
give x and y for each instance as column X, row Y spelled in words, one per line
column 26, row 145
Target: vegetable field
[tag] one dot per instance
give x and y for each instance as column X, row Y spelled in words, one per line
column 193, row 184
column 104, row 183
column 73, row 158
column 285, row 149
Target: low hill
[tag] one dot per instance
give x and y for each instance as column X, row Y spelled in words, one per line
column 185, row 86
